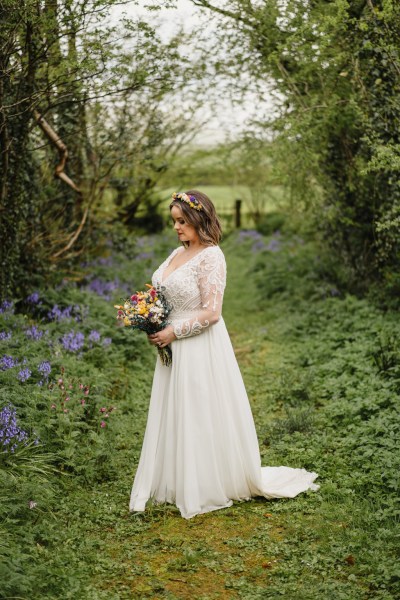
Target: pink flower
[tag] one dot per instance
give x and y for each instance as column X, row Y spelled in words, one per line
column 65, row 410
column 86, row 392
column 53, row 406
column 83, row 401
column 103, row 424
column 70, row 387
column 106, row 415
column 67, row 398
column 134, row 298
column 81, row 386
column 60, row 381
column 103, row 409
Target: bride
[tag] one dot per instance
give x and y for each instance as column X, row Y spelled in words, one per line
column 200, row 449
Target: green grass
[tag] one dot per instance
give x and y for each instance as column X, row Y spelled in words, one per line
column 322, row 370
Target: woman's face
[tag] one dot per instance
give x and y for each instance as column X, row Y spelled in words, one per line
column 186, row 232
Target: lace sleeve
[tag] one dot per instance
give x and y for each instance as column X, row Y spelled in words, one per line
column 211, row 273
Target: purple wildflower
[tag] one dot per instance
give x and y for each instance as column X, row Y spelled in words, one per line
column 103, row 288
column 33, row 298
column 6, row 306
column 45, row 369
column 7, row 362
column 10, row 433
column 107, row 341
column 5, row 335
column 250, row 234
column 94, row 336
column 58, row 314
column 144, row 255
column 258, row 245
column 274, row 245
column 24, row 374
column 33, row 333
column 73, row 341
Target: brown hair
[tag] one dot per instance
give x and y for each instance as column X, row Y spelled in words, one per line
column 205, row 221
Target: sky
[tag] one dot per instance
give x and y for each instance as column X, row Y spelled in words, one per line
column 227, row 119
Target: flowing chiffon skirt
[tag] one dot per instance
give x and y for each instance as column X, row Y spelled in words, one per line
column 200, row 449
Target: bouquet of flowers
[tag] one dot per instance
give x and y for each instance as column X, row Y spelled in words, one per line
column 147, row 311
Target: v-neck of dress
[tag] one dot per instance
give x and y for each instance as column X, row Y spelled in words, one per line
column 180, row 266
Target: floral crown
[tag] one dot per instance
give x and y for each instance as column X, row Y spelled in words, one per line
column 191, row 200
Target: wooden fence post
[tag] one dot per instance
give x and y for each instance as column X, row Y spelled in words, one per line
column 238, row 206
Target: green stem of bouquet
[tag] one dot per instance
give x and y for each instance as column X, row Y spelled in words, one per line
column 165, row 355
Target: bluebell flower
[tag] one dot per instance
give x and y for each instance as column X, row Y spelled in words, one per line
column 107, row 341
column 94, row 336
column 33, row 298
column 7, row 362
column 24, row 374
column 59, row 314
column 6, row 306
column 73, row 341
column 274, row 245
column 33, row 333
column 103, row 288
column 10, row 433
column 5, row 335
column 45, row 369
column 144, row 255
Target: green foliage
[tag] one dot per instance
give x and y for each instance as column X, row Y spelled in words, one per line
column 102, row 85
column 74, row 413
column 333, row 68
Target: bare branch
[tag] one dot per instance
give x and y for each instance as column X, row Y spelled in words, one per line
column 61, row 147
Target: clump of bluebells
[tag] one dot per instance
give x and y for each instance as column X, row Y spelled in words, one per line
column 274, row 245
column 94, row 336
column 73, row 341
column 33, row 298
column 258, row 240
column 7, row 306
column 60, row 314
column 24, row 374
column 33, row 333
column 44, row 369
column 5, row 336
column 103, row 288
column 11, row 435
column 7, row 362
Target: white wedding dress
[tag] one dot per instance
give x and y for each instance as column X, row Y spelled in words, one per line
column 200, row 449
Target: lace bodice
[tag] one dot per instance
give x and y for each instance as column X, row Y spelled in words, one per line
column 195, row 290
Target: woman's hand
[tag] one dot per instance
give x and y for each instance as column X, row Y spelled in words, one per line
column 162, row 338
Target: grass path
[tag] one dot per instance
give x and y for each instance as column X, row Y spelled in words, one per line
column 159, row 554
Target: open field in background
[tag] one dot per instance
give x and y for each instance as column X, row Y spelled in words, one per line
column 322, row 370
column 223, row 197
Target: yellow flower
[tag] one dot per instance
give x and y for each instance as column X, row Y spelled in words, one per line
column 126, row 321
